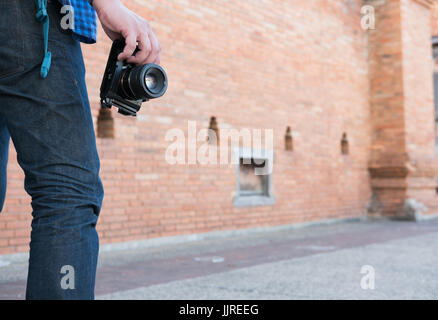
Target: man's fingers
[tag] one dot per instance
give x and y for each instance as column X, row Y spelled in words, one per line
column 144, row 46
column 130, row 46
column 155, row 49
column 158, row 60
column 149, row 48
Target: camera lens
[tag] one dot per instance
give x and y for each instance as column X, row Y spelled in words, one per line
column 151, row 81
column 144, row 82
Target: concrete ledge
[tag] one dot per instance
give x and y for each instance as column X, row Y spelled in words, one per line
column 427, row 217
column 161, row 241
column 414, row 210
column 6, row 259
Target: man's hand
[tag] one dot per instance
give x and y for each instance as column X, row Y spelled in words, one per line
column 120, row 22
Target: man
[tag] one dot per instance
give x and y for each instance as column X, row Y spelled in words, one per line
column 49, row 120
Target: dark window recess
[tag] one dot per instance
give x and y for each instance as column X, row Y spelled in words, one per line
column 289, row 140
column 435, row 47
column 345, row 148
column 436, row 182
column 435, row 85
column 105, row 124
column 214, row 130
column 435, row 82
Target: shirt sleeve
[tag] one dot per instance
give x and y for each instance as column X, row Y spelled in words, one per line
column 85, row 20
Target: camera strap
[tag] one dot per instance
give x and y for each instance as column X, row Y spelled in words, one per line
column 43, row 18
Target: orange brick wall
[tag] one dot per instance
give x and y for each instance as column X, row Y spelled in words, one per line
column 252, row 64
column 434, row 16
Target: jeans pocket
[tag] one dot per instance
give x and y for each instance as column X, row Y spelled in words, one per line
column 60, row 85
column 11, row 38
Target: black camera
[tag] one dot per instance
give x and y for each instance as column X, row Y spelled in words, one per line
column 126, row 86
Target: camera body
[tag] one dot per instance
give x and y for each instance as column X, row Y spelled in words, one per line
column 126, row 86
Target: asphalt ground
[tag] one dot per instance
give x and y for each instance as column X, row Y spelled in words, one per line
column 349, row 260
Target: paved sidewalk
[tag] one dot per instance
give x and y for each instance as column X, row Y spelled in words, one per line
column 318, row 262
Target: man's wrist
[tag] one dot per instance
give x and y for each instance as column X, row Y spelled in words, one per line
column 103, row 3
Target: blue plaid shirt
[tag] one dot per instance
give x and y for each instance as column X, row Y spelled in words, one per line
column 85, row 22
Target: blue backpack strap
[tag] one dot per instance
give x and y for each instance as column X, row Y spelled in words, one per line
column 43, row 17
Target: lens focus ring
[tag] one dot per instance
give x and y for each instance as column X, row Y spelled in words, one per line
column 145, row 82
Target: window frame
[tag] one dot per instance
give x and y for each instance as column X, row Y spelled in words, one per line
column 245, row 198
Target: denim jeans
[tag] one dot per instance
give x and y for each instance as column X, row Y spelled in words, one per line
column 50, row 124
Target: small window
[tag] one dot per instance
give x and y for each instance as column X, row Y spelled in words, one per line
column 254, row 182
